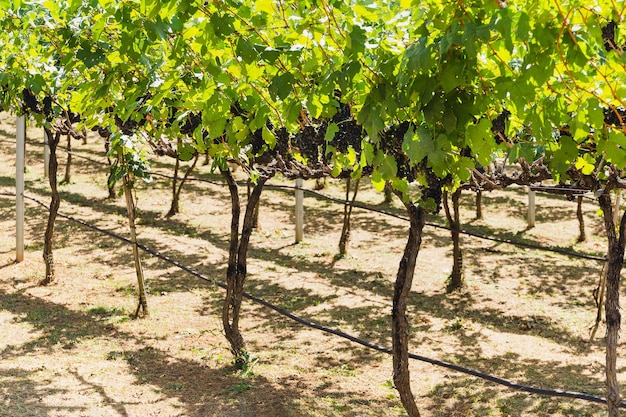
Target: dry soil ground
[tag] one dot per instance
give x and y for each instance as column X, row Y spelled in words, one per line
column 71, row 348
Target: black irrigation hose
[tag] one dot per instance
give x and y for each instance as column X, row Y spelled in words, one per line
column 561, row 251
column 344, row 335
column 438, row 226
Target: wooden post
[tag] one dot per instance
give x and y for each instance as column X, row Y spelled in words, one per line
column 531, row 207
column 299, row 211
column 19, row 187
column 46, row 154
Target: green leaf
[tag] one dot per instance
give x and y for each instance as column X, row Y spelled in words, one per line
column 330, row 132
column 377, row 180
column 281, row 86
column 563, row 153
column 524, row 150
column 480, row 140
column 356, row 41
column 89, row 57
column 268, row 137
column 400, row 184
column 417, row 144
column 246, row 51
column 584, row 166
column 595, row 114
column 222, row 24
column 615, row 148
column 185, row 151
column 388, row 166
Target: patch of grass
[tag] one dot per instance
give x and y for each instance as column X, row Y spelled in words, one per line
column 37, row 315
column 344, row 370
column 240, row 387
column 109, row 314
column 34, row 246
column 246, row 362
column 127, row 290
column 105, row 311
column 337, row 406
column 175, row 386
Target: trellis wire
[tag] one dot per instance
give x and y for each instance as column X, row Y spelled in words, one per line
column 572, row 254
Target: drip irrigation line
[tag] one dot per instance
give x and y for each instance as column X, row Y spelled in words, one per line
column 561, row 251
column 336, row 332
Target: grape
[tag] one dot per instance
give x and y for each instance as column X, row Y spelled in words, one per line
column 282, row 142
column 74, row 117
column 30, row 101
column 237, row 110
column 257, row 141
column 391, row 144
column 608, row 36
column 47, row 106
column 192, row 121
column 102, row 131
column 498, row 126
column 307, row 141
column 434, row 188
column 349, row 134
column 611, row 118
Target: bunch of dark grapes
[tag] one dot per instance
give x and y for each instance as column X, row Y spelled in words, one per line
column 498, row 126
column 30, row 101
column 257, row 141
column 343, row 114
column 308, row 142
column 391, row 143
column 350, row 132
column 237, row 110
column 47, row 106
column 321, row 138
column 74, row 117
column 349, row 135
column 611, row 118
column 129, row 126
column 102, row 131
column 192, row 121
column 434, row 188
column 608, row 36
column 282, row 142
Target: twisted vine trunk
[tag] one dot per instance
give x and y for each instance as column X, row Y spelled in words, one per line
column 176, row 188
column 347, row 213
column 255, row 220
column 53, row 165
column 399, row 320
column 388, row 193
column 68, row 163
column 615, row 258
column 174, row 207
column 142, row 305
column 237, row 264
column 479, row 204
column 110, row 183
column 581, row 220
column 455, row 281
